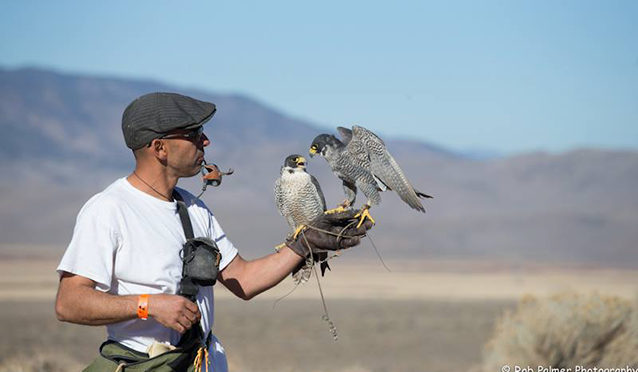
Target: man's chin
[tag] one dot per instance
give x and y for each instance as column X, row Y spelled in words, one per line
column 193, row 173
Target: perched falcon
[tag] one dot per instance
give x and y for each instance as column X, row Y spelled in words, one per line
column 299, row 200
column 363, row 162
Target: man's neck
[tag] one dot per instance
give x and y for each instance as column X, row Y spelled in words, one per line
column 156, row 184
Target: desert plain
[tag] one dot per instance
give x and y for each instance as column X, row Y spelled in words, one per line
column 420, row 316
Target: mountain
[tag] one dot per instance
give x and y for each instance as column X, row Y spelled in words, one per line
column 62, row 143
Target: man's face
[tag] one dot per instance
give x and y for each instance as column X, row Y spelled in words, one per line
column 185, row 150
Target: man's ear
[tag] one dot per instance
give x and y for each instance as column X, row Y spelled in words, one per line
column 158, row 147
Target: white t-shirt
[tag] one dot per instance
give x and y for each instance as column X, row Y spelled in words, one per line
column 129, row 243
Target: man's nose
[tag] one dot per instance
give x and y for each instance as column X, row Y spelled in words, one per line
column 205, row 140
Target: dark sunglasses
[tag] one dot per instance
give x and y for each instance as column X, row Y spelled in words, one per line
column 195, row 134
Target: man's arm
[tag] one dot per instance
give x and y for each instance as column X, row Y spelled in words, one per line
column 79, row 302
column 247, row 279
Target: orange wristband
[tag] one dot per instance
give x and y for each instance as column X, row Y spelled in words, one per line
column 142, row 307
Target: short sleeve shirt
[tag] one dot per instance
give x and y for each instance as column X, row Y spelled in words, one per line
column 129, row 243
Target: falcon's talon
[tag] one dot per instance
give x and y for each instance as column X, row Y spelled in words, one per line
column 280, row 247
column 339, row 209
column 343, row 207
column 365, row 213
column 298, row 231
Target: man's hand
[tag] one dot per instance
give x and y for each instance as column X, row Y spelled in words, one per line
column 330, row 232
column 173, row 311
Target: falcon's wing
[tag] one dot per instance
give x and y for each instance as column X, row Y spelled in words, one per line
column 319, row 192
column 279, row 197
column 358, row 152
column 385, row 169
column 346, row 134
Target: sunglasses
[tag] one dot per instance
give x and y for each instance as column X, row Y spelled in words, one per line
column 195, row 135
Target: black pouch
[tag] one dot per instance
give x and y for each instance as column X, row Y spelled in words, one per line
column 201, row 259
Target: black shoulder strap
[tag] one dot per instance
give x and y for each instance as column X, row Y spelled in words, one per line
column 183, row 215
column 187, row 288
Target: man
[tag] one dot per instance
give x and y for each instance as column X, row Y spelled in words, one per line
column 123, row 267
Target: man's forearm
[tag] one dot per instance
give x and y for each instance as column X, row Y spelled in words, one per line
column 79, row 302
column 247, row 279
column 91, row 307
column 271, row 270
column 88, row 306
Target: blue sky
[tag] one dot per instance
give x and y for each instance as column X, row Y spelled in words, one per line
column 509, row 76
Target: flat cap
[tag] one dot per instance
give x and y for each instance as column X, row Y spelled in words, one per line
column 152, row 115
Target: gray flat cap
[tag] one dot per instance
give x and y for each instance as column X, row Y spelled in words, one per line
column 152, row 115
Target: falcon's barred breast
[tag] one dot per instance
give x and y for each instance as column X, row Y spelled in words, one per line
column 299, row 200
column 298, row 195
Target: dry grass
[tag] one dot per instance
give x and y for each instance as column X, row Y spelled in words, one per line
column 421, row 317
column 40, row 362
column 36, row 280
column 374, row 335
column 565, row 331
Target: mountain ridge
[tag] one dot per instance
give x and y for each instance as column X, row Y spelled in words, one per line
column 63, row 143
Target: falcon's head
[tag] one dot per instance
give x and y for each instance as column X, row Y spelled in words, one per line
column 322, row 143
column 294, row 163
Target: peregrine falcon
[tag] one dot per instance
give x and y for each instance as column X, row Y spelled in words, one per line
column 299, row 200
column 362, row 162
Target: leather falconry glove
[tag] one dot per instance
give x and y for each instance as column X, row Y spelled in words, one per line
column 330, row 232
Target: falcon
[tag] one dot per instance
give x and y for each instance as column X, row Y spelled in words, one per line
column 362, row 161
column 299, row 200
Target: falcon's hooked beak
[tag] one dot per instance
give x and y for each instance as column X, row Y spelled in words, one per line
column 313, row 151
column 301, row 162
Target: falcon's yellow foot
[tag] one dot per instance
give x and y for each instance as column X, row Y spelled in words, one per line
column 365, row 213
column 343, row 207
column 280, row 247
column 298, row 231
column 335, row 210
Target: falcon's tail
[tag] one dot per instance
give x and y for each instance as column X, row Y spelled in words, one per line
column 324, row 266
column 423, row 195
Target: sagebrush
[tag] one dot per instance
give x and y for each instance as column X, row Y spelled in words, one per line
column 565, row 331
